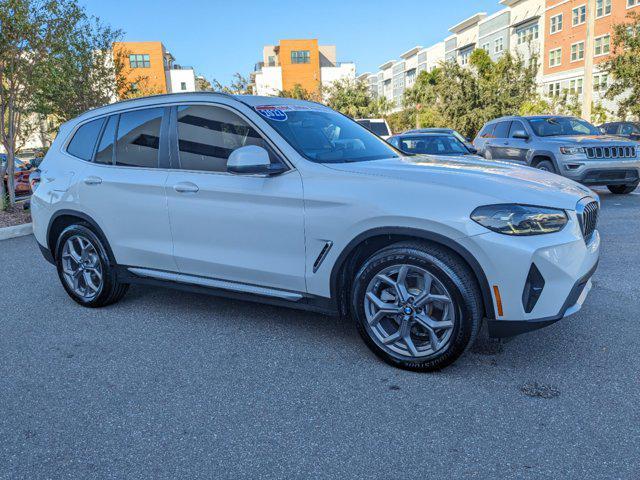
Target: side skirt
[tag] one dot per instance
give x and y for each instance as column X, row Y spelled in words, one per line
column 225, row 289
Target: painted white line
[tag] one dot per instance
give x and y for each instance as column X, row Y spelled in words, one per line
column 16, row 231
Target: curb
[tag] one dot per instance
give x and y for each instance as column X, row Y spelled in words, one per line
column 16, row 231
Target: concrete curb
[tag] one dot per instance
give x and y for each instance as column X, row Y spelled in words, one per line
column 16, row 231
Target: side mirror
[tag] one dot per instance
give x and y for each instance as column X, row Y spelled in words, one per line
column 252, row 160
column 521, row 134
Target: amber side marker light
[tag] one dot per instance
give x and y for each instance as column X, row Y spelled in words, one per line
column 496, row 293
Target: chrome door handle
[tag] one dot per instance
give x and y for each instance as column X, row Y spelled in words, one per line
column 186, row 187
column 93, row 180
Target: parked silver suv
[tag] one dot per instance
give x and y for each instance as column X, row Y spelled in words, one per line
column 567, row 146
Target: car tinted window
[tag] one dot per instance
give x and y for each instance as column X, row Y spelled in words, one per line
column 629, row 128
column 104, row 154
column 502, row 130
column 487, row 131
column 138, row 138
column 379, row 128
column 207, row 135
column 611, row 128
column 516, row 126
column 84, row 140
column 560, row 126
column 433, row 145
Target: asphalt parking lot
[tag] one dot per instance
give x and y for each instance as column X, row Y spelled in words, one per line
column 173, row 385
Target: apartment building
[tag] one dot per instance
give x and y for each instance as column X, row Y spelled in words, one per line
column 298, row 62
column 150, row 68
column 565, row 44
column 515, row 28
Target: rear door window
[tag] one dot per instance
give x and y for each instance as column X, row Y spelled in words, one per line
column 502, row 130
column 104, row 154
column 138, row 139
column 84, row 141
column 487, row 131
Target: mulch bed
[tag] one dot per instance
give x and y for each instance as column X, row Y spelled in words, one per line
column 14, row 216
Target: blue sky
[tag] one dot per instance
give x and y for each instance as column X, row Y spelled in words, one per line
column 219, row 38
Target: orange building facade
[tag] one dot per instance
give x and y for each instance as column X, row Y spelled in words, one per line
column 565, row 42
column 144, row 67
column 300, row 63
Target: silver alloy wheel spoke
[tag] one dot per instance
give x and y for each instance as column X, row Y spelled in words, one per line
column 81, row 268
column 409, row 312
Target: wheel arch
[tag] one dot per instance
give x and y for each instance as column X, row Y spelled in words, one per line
column 62, row 219
column 539, row 155
column 370, row 241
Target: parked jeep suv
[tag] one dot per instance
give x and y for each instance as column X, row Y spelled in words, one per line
column 291, row 203
column 567, row 146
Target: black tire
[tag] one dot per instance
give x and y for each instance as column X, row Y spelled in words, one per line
column 546, row 166
column 622, row 189
column 449, row 269
column 111, row 289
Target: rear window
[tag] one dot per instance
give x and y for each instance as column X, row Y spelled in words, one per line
column 84, row 141
column 379, row 128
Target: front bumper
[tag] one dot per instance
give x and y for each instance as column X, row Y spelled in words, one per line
column 600, row 172
column 562, row 264
column 573, row 304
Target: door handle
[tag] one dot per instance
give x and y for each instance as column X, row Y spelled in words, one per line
column 92, row 180
column 186, row 187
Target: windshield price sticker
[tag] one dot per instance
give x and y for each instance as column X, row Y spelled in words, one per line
column 279, row 112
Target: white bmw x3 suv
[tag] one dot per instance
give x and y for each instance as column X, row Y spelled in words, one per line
column 289, row 202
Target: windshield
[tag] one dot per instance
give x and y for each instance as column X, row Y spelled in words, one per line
column 433, row 145
column 324, row 136
column 557, row 126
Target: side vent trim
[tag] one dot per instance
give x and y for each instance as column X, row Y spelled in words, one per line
column 323, row 254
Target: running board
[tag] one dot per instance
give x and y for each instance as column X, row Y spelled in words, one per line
column 213, row 283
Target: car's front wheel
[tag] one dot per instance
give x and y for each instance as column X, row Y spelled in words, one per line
column 416, row 305
column 622, row 189
column 84, row 268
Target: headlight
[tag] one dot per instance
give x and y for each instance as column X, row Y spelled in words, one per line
column 571, row 150
column 513, row 219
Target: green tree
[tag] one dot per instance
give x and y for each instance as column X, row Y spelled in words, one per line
column 353, row 98
column 27, row 29
column 239, row 86
column 624, row 67
column 300, row 93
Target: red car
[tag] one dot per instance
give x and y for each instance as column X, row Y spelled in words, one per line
column 20, row 176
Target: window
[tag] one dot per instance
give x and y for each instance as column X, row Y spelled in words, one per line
column 555, row 57
column 498, row 45
column 555, row 126
column 579, row 15
column 575, row 86
column 556, row 23
column 577, row 51
column 138, row 138
column 84, row 140
column 502, row 130
column 554, row 89
column 603, row 8
column 611, row 128
column 464, row 57
column 633, row 3
column 139, row 61
column 629, row 129
column 433, row 145
column 271, row 61
column 183, row 85
column 207, row 135
column 602, row 45
column 527, row 34
column 486, row 47
column 300, row 56
column 600, row 82
column 104, row 154
column 516, row 126
column 487, row 131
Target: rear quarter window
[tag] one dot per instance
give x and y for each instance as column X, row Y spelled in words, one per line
column 84, row 140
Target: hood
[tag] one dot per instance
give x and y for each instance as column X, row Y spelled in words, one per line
column 588, row 140
column 500, row 182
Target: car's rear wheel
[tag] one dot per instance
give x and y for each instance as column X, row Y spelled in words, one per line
column 84, row 268
column 622, row 189
column 416, row 305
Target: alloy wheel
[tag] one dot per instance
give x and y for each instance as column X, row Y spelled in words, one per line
column 81, row 267
column 409, row 311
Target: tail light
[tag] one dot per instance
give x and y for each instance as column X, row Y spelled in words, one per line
column 34, row 179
